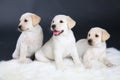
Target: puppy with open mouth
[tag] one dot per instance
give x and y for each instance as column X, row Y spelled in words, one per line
column 94, row 47
column 31, row 38
column 62, row 44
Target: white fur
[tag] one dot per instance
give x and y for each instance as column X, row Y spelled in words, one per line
column 94, row 52
column 12, row 70
column 60, row 46
column 30, row 39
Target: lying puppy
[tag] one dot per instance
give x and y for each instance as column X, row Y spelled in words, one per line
column 62, row 43
column 30, row 39
column 94, row 47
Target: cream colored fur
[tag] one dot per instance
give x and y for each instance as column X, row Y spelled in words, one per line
column 96, row 50
column 62, row 45
column 31, row 38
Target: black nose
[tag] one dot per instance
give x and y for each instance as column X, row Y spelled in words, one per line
column 90, row 41
column 19, row 26
column 53, row 26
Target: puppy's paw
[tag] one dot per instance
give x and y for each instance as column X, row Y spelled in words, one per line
column 78, row 63
column 27, row 60
column 60, row 66
column 109, row 65
column 87, row 66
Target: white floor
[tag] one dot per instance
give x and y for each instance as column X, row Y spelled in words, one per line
column 12, row 70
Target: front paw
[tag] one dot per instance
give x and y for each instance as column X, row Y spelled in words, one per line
column 109, row 65
column 87, row 65
column 60, row 66
column 78, row 63
column 26, row 60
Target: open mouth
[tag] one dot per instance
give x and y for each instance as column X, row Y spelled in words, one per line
column 56, row 32
column 90, row 44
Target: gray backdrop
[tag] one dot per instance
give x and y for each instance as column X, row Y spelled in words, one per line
column 87, row 14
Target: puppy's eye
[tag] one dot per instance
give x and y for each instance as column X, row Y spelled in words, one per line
column 25, row 20
column 96, row 35
column 61, row 21
column 52, row 21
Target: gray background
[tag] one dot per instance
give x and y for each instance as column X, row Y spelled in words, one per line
column 87, row 14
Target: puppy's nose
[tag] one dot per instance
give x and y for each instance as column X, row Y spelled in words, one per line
column 53, row 26
column 19, row 26
column 90, row 41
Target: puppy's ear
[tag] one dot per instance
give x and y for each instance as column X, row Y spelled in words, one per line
column 105, row 35
column 35, row 19
column 71, row 22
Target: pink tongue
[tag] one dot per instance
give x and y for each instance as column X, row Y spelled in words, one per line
column 56, row 32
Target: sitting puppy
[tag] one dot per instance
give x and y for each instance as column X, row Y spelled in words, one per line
column 62, row 44
column 31, row 38
column 94, row 47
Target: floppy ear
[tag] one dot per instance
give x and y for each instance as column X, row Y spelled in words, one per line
column 35, row 19
column 71, row 22
column 105, row 35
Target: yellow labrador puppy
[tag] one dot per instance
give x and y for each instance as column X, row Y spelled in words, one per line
column 62, row 44
column 94, row 47
column 30, row 39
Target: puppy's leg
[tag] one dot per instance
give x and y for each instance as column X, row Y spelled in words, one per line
column 105, row 61
column 41, row 57
column 86, row 60
column 59, row 59
column 16, row 53
column 23, row 54
column 86, row 63
column 75, row 56
column 108, row 63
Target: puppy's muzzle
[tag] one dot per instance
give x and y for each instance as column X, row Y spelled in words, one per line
column 55, row 31
column 90, row 41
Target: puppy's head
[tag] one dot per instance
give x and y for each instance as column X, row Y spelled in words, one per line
column 97, row 35
column 61, row 23
column 28, row 21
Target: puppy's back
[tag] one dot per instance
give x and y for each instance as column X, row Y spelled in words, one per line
column 82, row 46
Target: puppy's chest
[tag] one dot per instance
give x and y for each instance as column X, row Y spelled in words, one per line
column 64, row 44
column 30, row 41
column 64, row 40
column 97, row 52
